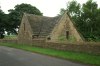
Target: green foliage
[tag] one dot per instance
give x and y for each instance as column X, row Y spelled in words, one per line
column 2, row 23
column 86, row 17
column 89, row 18
column 75, row 56
column 73, row 8
column 62, row 11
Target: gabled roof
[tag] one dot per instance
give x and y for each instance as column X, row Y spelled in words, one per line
column 42, row 25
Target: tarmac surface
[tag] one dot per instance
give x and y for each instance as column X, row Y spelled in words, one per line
column 17, row 57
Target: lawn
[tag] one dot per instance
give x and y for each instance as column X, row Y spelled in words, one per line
column 73, row 56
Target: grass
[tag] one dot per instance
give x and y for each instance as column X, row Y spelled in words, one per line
column 74, row 56
column 10, row 37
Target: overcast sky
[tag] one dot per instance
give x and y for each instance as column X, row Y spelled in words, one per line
column 47, row 7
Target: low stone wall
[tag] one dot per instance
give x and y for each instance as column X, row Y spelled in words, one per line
column 88, row 47
column 8, row 41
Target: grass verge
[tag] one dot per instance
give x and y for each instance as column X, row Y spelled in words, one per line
column 74, row 56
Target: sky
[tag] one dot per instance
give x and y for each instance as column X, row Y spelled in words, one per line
column 47, row 7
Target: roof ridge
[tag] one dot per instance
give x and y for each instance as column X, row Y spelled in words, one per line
column 38, row 15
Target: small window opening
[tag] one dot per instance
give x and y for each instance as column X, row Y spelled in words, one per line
column 24, row 26
column 48, row 38
column 67, row 34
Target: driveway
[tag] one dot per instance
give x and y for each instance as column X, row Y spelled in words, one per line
column 17, row 57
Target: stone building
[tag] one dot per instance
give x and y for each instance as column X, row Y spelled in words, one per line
column 51, row 29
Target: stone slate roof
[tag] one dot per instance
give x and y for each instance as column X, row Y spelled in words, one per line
column 42, row 25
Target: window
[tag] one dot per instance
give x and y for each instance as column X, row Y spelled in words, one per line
column 67, row 34
column 24, row 26
column 48, row 38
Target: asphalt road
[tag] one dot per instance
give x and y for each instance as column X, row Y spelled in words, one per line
column 16, row 57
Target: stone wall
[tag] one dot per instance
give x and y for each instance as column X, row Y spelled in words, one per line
column 9, row 41
column 88, row 47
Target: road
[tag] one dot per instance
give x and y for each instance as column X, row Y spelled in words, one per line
column 17, row 57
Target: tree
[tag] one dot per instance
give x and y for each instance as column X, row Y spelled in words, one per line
column 62, row 11
column 74, row 11
column 15, row 15
column 73, row 8
column 89, row 17
column 2, row 25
